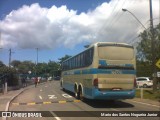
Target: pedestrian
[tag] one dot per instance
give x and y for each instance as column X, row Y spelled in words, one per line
column 39, row 80
column 23, row 81
column 36, row 81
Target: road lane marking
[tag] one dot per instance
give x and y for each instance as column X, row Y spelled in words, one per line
column 55, row 116
column 66, row 96
column 41, row 90
column 40, row 97
column 52, row 97
column 76, row 100
column 47, row 102
column 32, row 103
column 62, row 101
column 145, row 103
column 15, row 103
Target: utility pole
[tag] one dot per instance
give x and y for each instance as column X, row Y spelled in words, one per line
column 10, row 57
column 153, row 48
column 10, row 54
column 36, row 63
column 37, row 55
column 0, row 40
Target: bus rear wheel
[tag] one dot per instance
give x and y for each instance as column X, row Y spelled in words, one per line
column 81, row 95
column 77, row 95
column 76, row 92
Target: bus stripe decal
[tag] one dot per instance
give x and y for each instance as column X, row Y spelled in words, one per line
column 99, row 71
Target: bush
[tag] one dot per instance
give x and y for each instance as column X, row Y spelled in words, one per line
column 9, row 74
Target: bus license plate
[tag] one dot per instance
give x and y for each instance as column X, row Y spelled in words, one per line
column 116, row 89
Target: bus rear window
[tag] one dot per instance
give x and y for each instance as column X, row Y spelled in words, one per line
column 115, row 53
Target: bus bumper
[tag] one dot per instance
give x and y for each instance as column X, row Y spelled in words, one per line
column 113, row 95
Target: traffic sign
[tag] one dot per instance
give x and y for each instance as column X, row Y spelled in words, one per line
column 158, row 63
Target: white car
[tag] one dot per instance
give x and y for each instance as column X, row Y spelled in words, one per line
column 144, row 82
column 49, row 78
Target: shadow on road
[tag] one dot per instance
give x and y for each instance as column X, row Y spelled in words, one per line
column 108, row 104
column 104, row 103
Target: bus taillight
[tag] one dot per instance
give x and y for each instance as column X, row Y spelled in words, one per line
column 135, row 83
column 95, row 82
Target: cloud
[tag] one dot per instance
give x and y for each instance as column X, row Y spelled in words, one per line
column 38, row 27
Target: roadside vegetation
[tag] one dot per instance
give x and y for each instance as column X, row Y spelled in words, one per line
column 29, row 69
column 148, row 94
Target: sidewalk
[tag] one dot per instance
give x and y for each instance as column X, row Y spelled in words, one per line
column 147, row 101
column 7, row 97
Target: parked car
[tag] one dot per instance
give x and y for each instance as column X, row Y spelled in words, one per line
column 49, row 78
column 57, row 78
column 144, row 82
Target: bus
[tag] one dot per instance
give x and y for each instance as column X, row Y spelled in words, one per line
column 104, row 71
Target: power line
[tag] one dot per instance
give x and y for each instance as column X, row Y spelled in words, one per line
column 0, row 40
column 110, row 22
column 115, row 6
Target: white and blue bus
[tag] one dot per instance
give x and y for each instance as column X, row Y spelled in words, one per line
column 105, row 71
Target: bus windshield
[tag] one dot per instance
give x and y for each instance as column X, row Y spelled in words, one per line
column 115, row 53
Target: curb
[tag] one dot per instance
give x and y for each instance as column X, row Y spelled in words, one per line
column 9, row 102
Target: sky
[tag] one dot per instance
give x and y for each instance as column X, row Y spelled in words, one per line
column 62, row 27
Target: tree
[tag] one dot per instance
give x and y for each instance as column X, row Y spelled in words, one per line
column 15, row 63
column 64, row 58
column 144, row 46
column 25, row 66
column 41, row 68
column 144, row 52
column 2, row 64
column 143, row 69
column 53, row 67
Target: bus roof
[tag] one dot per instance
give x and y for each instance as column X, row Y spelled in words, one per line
column 110, row 44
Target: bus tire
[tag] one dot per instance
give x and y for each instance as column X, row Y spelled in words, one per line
column 77, row 95
column 81, row 94
column 76, row 92
column 61, row 84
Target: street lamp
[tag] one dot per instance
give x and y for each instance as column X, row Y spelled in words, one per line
column 125, row 10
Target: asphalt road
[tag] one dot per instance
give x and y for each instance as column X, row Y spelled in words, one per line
column 49, row 97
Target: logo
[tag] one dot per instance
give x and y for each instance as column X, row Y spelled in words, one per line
column 116, row 72
column 6, row 114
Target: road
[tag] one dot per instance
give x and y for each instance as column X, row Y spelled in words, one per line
column 49, row 97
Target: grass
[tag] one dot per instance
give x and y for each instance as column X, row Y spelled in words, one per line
column 148, row 94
